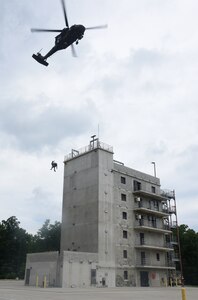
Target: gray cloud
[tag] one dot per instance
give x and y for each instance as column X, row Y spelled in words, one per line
column 33, row 127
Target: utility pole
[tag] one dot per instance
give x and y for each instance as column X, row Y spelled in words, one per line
column 154, row 166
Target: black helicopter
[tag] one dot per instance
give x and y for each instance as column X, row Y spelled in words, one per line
column 66, row 38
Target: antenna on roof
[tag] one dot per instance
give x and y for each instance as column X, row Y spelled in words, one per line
column 92, row 142
column 98, row 131
column 93, row 137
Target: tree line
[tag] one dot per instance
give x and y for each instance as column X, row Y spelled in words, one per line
column 189, row 254
column 15, row 243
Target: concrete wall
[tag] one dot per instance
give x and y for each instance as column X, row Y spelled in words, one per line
column 146, row 179
column 88, row 210
column 106, row 234
column 120, row 281
column 76, row 269
column 156, row 278
column 149, row 240
column 126, row 204
column 80, row 204
column 42, row 267
column 105, row 276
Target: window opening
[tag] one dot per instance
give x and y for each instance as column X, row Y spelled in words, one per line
column 125, row 275
column 123, row 197
column 123, row 180
column 124, row 215
column 125, row 234
column 125, row 253
column 136, row 185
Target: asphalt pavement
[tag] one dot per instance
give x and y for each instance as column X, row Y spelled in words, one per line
column 15, row 290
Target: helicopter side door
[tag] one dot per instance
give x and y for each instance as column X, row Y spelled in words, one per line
column 61, row 38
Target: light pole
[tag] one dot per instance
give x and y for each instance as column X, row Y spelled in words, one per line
column 154, row 166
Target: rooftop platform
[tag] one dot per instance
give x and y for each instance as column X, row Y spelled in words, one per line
column 93, row 145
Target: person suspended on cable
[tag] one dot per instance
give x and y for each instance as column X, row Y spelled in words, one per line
column 54, row 166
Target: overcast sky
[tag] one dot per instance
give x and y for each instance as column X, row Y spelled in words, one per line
column 135, row 81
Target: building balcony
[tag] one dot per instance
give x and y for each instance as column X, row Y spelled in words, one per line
column 146, row 263
column 173, row 224
column 150, row 210
column 151, row 226
column 149, row 195
column 168, row 194
column 174, row 241
column 153, row 246
column 172, row 210
column 175, row 257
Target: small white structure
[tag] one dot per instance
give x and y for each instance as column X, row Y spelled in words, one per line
column 42, row 269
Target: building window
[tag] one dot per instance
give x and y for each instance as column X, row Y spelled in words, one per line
column 123, row 180
column 124, row 215
column 156, row 204
column 136, row 185
column 93, row 276
column 140, row 219
column 123, row 197
column 153, row 189
column 142, row 238
column 158, row 256
column 125, row 253
column 125, row 275
column 125, row 234
column 154, row 222
column 143, row 258
column 138, row 201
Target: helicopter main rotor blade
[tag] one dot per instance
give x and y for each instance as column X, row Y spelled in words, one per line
column 65, row 13
column 97, row 27
column 45, row 30
column 73, row 50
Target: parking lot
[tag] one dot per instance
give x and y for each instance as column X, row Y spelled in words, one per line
column 15, row 290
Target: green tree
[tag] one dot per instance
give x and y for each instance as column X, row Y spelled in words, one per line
column 13, row 248
column 189, row 253
column 15, row 243
column 47, row 237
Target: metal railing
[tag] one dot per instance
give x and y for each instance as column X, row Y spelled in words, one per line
column 143, row 242
column 140, row 205
column 167, row 194
column 93, row 145
column 173, row 224
column 147, row 262
column 172, row 209
column 144, row 191
column 151, row 224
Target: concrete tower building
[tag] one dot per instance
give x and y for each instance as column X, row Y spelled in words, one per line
column 116, row 224
column 118, row 213
column 88, row 217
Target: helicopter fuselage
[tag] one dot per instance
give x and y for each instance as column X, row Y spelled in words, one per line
column 66, row 37
column 69, row 35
